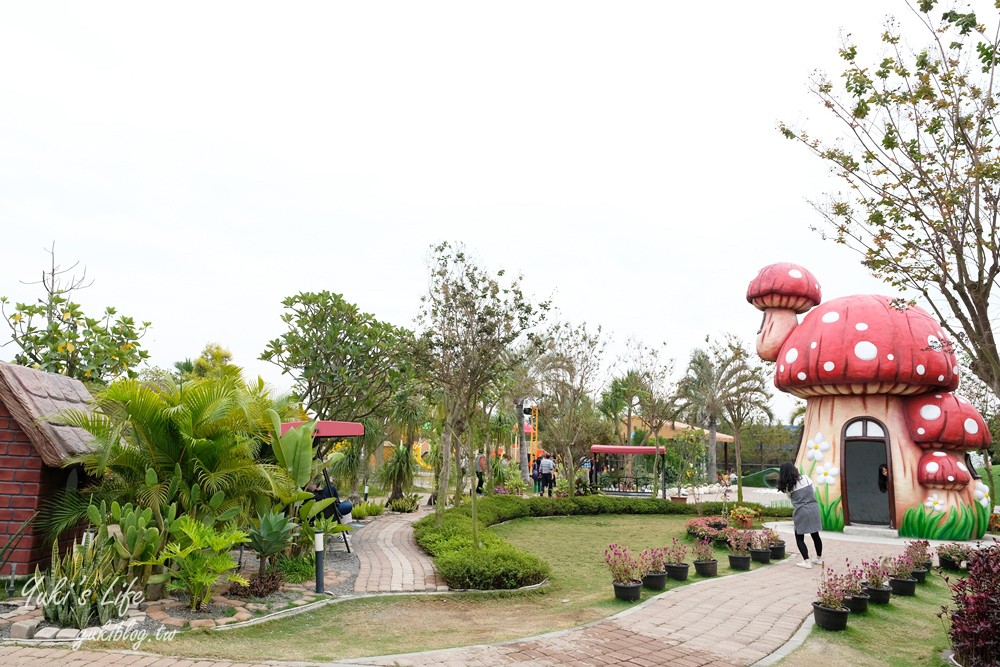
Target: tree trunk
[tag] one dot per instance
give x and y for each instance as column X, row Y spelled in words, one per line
column 712, row 471
column 523, row 440
column 738, row 447
column 445, row 472
column 262, row 570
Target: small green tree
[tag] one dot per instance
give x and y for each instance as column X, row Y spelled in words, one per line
column 55, row 335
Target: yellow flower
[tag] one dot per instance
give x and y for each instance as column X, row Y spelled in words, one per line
column 70, row 347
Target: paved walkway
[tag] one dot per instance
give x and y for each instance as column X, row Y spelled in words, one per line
column 730, row 621
column 390, row 560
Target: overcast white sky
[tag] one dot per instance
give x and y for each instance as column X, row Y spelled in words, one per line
column 205, row 160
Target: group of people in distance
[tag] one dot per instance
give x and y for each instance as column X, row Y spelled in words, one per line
column 543, row 472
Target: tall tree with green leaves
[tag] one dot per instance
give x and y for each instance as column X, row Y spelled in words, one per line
column 571, row 375
column 920, row 156
column 746, row 396
column 470, row 320
column 54, row 335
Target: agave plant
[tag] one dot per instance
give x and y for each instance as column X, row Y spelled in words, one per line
column 272, row 535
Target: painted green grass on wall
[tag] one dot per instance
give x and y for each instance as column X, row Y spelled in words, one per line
column 960, row 524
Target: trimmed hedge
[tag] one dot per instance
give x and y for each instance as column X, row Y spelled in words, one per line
column 498, row 564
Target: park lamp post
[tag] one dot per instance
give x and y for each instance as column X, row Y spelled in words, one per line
column 320, row 553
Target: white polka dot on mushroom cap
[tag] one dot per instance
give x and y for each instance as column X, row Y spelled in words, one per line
column 812, row 345
column 940, row 378
column 932, row 467
column 890, row 357
column 791, row 355
column 921, row 431
column 830, row 317
column 865, row 350
column 940, row 454
column 920, row 369
column 795, row 273
column 954, row 370
column 951, row 478
column 828, row 366
column 971, row 427
column 801, row 376
column 861, row 326
column 930, row 412
column 781, row 368
column 962, row 466
column 937, row 395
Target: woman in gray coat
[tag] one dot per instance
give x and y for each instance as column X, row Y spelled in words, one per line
column 805, row 512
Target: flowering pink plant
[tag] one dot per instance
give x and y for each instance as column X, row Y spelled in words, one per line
column 853, row 579
column 706, row 527
column 625, row 569
column 676, row 553
column 831, row 591
column 740, row 541
column 876, row 572
column 771, row 538
column 703, row 551
column 920, row 552
column 901, row 567
column 652, row 560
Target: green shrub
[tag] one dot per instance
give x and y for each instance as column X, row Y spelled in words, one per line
column 494, row 567
column 296, row 569
column 407, row 503
column 366, row 509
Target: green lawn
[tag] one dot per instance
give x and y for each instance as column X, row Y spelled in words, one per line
column 580, row 592
column 904, row 633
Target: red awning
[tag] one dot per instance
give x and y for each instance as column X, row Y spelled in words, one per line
column 329, row 429
column 624, row 449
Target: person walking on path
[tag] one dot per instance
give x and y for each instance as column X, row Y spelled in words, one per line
column 536, row 476
column 805, row 512
column 547, row 468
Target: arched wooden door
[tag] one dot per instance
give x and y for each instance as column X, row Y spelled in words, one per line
column 866, row 448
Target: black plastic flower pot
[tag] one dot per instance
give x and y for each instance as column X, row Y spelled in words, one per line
column 920, row 575
column 628, row 592
column 903, row 586
column 949, row 563
column 655, row 581
column 678, row 571
column 706, row 568
column 830, row 619
column 858, row 604
column 739, row 562
column 879, row 595
column 761, row 555
column 777, row 551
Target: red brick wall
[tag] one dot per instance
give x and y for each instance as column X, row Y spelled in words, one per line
column 24, row 481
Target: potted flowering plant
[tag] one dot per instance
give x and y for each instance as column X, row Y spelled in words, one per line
column 654, row 567
column 774, row 543
column 853, row 583
column 721, row 538
column 901, row 578
column 705, row 563
column 626, row 572
column 876, row 573
column 760, row 548
column 829, row 610
column 742, row 517
column 952, row 555
column 920, row 552
column 675, row 555
column 740, row 542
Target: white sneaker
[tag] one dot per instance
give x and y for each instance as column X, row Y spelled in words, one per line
column 806, row 564
column 817, row 561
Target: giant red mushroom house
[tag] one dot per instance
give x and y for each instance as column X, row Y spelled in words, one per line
column 878, row 377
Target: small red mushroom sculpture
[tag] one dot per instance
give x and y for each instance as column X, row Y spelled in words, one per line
column 877, row 376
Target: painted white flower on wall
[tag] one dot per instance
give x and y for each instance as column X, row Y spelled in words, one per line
column 934, row 503
column 827, row 474
column 982, row 494
column 815, row 447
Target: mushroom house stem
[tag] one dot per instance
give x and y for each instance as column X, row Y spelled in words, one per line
column 774, row 331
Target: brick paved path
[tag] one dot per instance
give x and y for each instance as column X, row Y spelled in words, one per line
column 731, row 621
column 390, row 560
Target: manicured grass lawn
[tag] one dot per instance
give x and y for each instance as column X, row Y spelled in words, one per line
column 904, row 633
column 580, row 592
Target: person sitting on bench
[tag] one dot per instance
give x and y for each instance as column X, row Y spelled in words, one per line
column 338, row 508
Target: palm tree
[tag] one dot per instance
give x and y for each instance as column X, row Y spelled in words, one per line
column 155, row 443
column 746, row 398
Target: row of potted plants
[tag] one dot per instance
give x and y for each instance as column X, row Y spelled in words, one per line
column 652, row 567
column 843, row 593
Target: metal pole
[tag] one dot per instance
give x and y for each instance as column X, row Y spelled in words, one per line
column 320, row 553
